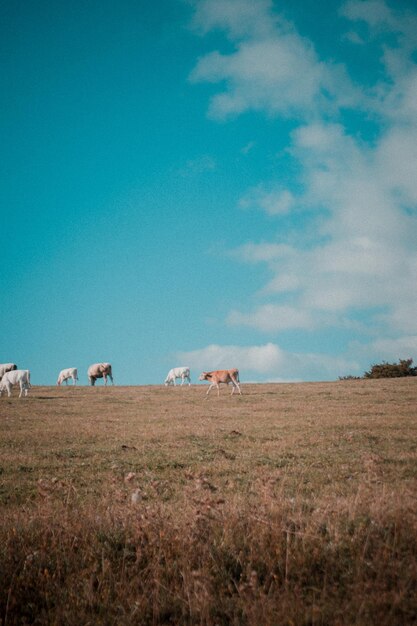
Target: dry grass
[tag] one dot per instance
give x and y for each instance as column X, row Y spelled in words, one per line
column 293, row 504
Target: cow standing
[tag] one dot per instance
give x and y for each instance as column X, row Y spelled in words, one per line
column 70, row 372
column 99, row 370
column 7, row 367
column 217, row 377
column 178, row 372
column 14, row 377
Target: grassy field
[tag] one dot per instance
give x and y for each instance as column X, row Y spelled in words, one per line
column 293, row 504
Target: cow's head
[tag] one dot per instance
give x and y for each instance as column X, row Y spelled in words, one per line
column 204, row 376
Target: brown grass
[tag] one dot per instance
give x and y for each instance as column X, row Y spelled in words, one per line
column 293, row 504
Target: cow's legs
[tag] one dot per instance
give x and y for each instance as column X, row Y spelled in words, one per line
column 235, row 386
column 23, row 388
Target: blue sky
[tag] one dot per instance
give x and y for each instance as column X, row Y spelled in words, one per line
column 218, row 183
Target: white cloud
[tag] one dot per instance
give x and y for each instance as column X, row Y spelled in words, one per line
column 396, row 30
column 361, row 251
column 374, row 12
column 393, row 349
column 272, row 318
column 268, row 362
column 368, row 258
column 389, row 349
column 240, row 19
column 259, row 359
column 275, row 202
column 272, row 68
column 396, row 156
column 381, row 19
column 354, row 38
column 254, row 253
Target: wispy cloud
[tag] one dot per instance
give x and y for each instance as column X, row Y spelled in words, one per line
column 199, row 165
column 273, row 68
column 273, row 202
column 248, row 147
column 362, row 250
column 272, row 318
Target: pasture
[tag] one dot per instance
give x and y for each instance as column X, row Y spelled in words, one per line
column 292, row 504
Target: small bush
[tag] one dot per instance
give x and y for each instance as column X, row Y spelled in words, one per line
column 392, row 370
column 350, row 377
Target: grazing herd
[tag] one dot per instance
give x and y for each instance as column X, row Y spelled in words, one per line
column 10, row 375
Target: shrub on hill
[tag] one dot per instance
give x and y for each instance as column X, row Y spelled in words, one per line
column 387, row 370
column 392, row 370
column 350, row 377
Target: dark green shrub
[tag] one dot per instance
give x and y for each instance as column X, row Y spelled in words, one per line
column 392, row 370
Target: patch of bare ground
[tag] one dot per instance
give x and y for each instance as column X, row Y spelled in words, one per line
column 293, row 504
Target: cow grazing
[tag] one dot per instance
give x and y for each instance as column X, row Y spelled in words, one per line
column 99, row 370
column 6, row 367
column 178, row 372
column 222, row 376
column 70, row 372
column 14, row 377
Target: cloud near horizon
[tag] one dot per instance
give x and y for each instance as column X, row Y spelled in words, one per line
column 268, row 360
column 360, row 195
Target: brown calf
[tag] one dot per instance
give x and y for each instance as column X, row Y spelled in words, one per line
column 222, row 376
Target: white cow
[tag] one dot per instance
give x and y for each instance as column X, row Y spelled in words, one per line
column 70, row 372
column 14, row 377
column 6, row 367
column 178, row 372
column 99, row 370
